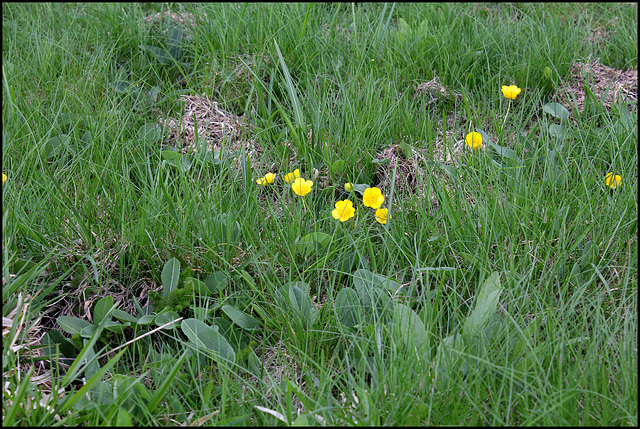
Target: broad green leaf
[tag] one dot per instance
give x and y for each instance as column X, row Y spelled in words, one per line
column 72, row 325
column 88, row 331
column 403, row 28
column 310, row 242
column 159, row 54
column 338, row 167
column 205, row 337
column 241, row 318
column 367, row 276
column 170, row 154
column 55, row 338
column 101, row 308
column 146, row 319
column 383, row 161
column 166, row 317
column 303, row 286
column 122, row 87
column 372, row 290
column 556, row 130
column 86, row 138
column 504, row 151
column 199, row 288
column 485, row 307
column 56, row 145
column 556, row 110
column 174, row 42
column 348, row 308
column 170, row 276
column 217, row 281
column 300, row 302
column 150, row 132
column 360, row 187
column 411, row 328
column 124, row 316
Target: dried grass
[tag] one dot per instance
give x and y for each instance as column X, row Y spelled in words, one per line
column 610, row 86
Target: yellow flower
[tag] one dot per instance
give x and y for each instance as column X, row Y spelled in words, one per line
column 473, row 140
column 301, row 187
column 267, row 179
column 290, row 177
column 511, row 91
column 613, row 181
column 344, row 210
column 381, row 215
column 348, row 187
column 373, row 198
column 4, row 177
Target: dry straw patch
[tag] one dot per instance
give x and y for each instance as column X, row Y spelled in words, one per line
column 610, row 86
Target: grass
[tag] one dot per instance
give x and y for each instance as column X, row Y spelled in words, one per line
column 144, row 285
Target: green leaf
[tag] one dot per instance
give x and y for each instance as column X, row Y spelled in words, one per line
column 204, row 337
column 72, row 325
column 366, row 276
column 348, row 308
column 300, row 302
column 198, row 287
column 403, row 29
column 170, row 276
column 485, row 307
column 504, row 151
column 556, row 130
column 241, row 318
column 360, row 187
column 338, row 167
column 174, row 42
column 383, row 161
column 150, row 132
column 556, row 110
column 55, row 338
column 412, row 330
column 166, row 317
column 146, row 319
column 217, row 281
column 124, row 316
column 170, row 154
column 122, row 87
column 56, row 145
column 101, row 308
column 372, row 290
column 159, row 54
column 311, row 242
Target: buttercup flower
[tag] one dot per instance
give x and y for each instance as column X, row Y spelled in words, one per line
column 290, row 177
column 381, row 215
column 4, row 177
column 612, row 180
column 473, row 140
column 267, row 179
column 373, row 198
column 301, row 187
column 511, row 91
column 348, row 187
column 344, row 210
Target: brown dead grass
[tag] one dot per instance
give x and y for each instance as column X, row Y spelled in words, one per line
column 610, row 86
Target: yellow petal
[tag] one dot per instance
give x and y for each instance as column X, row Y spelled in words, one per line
column 473, row 140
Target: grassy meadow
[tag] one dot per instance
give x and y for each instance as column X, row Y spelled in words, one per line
column 320, row 214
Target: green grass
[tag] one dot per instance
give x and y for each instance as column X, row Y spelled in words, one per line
column 503, row 290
